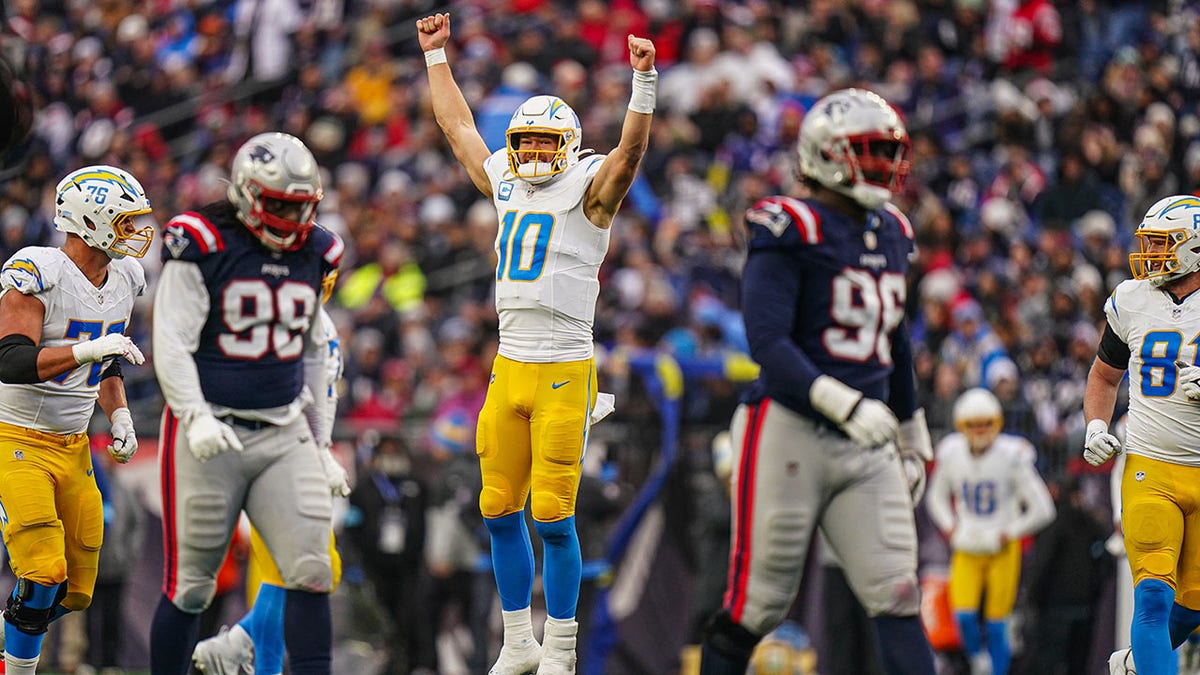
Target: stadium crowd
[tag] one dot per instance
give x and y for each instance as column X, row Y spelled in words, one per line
column 1041, row 132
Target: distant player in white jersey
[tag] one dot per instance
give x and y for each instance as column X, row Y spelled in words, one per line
column 556, row 207
column 1153, row 334
column 985, row 496
column 63, row 314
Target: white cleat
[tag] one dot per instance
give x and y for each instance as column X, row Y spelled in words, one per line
column 1121, row 662
column 981, row 664
column 521, row 659
column 227, row 653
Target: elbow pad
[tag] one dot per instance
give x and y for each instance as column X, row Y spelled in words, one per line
column 18, row 360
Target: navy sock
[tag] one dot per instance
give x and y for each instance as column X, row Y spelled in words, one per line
column 173, row 635
column 308, row 632
column 1183, row 623
column 727, row 646
column 903, row 645
column 512, row 560
column 1149, row 636
column 562, row 566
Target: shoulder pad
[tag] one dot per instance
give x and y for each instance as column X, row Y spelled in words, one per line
column 328, row 245
column 783, row 221
column 905, row 224
column 133, row 271
column 190, row 236
column 31, row 270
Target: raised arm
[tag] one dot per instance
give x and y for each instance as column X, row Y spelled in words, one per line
column 449, row 107
column 616, row 174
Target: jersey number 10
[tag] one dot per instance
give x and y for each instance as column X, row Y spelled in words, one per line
column 522, row 261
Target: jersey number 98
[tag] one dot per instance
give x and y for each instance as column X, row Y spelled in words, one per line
column 260, row 319
column 865, row 312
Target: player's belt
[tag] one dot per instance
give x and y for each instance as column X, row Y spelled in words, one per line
column 253, row 425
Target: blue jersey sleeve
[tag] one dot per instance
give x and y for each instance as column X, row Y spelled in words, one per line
column 770, row 287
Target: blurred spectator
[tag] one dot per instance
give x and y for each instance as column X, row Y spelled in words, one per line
column 387, row 528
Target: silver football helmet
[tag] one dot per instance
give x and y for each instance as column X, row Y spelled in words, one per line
column 544, row 115
column 853, row 142
column 276, row 186
column 1168, row 240
column 99, row 204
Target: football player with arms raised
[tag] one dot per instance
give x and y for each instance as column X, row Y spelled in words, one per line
column 63, row 313
column 1153, row 334
column 985, row 496
column 556, row 209
column 241, row 358
column 830, row 435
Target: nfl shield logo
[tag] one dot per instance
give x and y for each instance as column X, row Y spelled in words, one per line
column 1176, row 313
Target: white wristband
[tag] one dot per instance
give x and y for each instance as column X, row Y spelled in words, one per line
column 645, row 91
column 435, row 56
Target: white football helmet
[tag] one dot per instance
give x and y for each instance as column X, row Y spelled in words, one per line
column 276, row 186
column 551, row 116
column 853, row 142
column 1168, row 240
column 98, row 203
column 979, row 417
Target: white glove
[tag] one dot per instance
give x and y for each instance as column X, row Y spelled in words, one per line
column 913, row 438
column 335, row 475
column 914, row 473
column 971, row 540
column 124, row 440
column 1189, row 380
column 606, row 404
column 1100, row 445
column 113, row 344
column 867, row 421
column 208, row 437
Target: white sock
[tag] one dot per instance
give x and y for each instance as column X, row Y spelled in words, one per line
column 518, row 627
column 15, row 666
column 560, row 634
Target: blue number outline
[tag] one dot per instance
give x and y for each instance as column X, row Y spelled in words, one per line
column 980, row 497
column 1174, row 342
column 510, row 245
column 77, row 328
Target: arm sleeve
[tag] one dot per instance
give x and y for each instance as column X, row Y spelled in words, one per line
column 112, row 369
column 770, row 287
column 902, row 385
column 18, row 360
column 1112, row 349
column 321, row 411
column 181, row 305
column 1039, row 506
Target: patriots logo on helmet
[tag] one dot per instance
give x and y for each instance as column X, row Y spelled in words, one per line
column 261, row 154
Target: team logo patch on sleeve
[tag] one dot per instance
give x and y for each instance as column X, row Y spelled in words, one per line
column 175, row 240
column 24, row 275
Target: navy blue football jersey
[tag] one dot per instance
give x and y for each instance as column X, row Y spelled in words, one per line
column 261, row 305
column 824, row 294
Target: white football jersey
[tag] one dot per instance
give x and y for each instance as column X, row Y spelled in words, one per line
column 998, row 491
column 548, row 265
column 1163, row 424
column 76, row 311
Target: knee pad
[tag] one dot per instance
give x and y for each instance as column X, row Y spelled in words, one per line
column 496, row 498
column 313, row 574
column 1153, row 599
column 895, row 596
column 728, row 637
column 33, row 606
column 548, row 507
column 194, row 597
